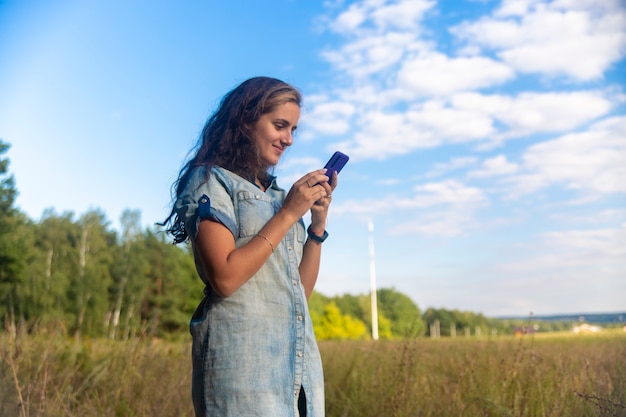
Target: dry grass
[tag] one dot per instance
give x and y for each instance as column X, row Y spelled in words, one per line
column 551, row 376
column 51, row 375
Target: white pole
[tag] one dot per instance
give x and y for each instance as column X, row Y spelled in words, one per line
column 373, row 283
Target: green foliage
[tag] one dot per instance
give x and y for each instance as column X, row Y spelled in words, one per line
column 12, row 249
column 402, row 312
column 337, row 326
column 78, row 276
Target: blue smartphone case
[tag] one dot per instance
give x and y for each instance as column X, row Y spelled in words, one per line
column 335, row 164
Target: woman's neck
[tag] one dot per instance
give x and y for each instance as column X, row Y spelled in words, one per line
column 258, row 182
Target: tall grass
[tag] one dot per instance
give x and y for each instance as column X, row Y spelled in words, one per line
column 554, row 376
column 51, row 375
column 57, row 376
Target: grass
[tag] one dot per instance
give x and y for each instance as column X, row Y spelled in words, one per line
column 563, row 375
column 540, row 376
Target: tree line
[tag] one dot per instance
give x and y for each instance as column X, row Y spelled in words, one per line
column 77, row 274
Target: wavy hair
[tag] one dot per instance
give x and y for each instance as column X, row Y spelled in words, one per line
column 226, row 139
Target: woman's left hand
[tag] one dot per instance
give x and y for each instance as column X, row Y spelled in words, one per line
column 319, row 210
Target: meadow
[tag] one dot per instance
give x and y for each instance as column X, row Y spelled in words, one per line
column 51, row 375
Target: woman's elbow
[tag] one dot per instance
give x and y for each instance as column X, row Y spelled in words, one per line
column 224, row 286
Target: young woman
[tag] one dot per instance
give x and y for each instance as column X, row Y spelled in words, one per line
column 254, row 351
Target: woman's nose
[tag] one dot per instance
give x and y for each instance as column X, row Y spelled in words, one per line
column 287, row 139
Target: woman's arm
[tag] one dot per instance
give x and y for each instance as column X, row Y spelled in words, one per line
column 228, row 267
column 310, row 263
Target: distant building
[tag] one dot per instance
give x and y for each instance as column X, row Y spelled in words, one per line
column 586, row 328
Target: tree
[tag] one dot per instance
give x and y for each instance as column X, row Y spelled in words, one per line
column 402, row 312
column 337, row 326
column 175, row 291
column 384, row 324
column 12, row 262
column 53, row 264
column 130, row 284
column 89, row 286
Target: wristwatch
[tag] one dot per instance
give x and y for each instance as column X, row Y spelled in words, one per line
column 316, row 237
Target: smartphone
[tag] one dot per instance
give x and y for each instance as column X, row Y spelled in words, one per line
column 335, row 164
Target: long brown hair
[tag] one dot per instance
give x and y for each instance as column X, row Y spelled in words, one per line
column 226, row 139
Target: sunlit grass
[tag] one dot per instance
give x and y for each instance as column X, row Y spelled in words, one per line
column 542, row 375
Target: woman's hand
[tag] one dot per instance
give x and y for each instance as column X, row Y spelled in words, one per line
column 311, row 192
column 319, row 210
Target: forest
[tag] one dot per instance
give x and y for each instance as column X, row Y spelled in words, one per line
column 76, row 273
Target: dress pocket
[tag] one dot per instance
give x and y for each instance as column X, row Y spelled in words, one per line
column 254, row 210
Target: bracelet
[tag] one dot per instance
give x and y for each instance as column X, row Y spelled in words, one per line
column 268, row 240
column 315, row 237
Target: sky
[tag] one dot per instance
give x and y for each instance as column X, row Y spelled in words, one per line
column 487, row 139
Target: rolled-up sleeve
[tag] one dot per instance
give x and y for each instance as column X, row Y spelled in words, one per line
column 206, row 197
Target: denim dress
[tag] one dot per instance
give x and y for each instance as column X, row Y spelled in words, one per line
column 254, row 350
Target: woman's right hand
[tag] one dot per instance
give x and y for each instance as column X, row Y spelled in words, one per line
column 305, row 192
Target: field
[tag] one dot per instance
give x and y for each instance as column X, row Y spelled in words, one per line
column 542, row 375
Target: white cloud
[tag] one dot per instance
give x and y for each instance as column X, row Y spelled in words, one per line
column 447, row 223
column 452, row 165
column 530, row 113
column 469, row 117
column 403, row 14
column 329, row 117
column 370, row 54
column 381, row 15
column 574, row 250
column 434, row 74
column 382, row 134
column 349, row 20
column 577, row 39
column 594, row 161
column 406, row 95
column 449, row 193
column 496, row 166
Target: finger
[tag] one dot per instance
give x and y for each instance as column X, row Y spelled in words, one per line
column 311, row 179
column 335, row 181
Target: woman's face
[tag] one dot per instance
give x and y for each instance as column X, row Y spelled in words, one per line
column 273, row 132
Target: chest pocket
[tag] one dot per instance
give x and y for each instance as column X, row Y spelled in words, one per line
column 253, row 212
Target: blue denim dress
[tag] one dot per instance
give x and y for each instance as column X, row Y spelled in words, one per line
column 254, row 350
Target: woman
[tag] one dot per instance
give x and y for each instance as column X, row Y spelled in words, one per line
column 254, row 351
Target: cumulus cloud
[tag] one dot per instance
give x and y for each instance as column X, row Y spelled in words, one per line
column 496, row 166
column 538, row 112
column 579, row 39
column 330, row 117
column 380, row 15
column 469, row 117
column 435, row 74
column 400, row 91
column 452, row 165
column 593, row 161
column 447, row 193
column 575, row 249
column 447, row 223
column 443, row 208
column 517, row 73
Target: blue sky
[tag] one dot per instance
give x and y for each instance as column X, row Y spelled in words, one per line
column 487, row 138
